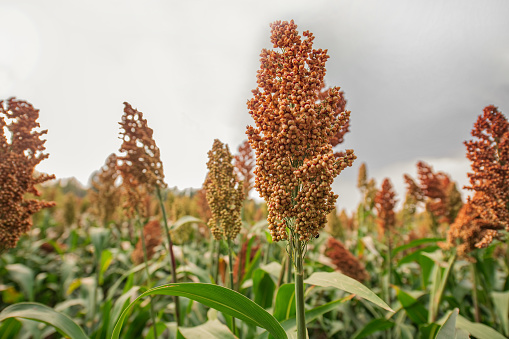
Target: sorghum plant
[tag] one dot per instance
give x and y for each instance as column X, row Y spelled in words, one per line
column 142, row 173
column 244, row 165
column 105, row 194
column 18, row 159
column 489, row 154
column 385, row 201
column 225, row 195
column 438, row 192
column 295, row 163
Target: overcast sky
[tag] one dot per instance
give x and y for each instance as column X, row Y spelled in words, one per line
column 415, row 74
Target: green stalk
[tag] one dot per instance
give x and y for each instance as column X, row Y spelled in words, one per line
column 291, row 253
column 172, row 256
column 230, row 267
column 389, row 272
column 299, row 289
column 149, row 283
column 475, row 297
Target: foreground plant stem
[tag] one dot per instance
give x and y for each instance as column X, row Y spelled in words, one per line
column 173, row 263
column 230, row 267
column 149, row 283
column 299, row 288
column 477, row 315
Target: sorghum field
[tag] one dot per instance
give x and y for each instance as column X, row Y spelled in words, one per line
column 129, row 257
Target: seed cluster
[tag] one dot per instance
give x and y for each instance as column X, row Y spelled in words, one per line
column 437, row 191
column 292, row 138
column 489, row 155
column 140, row 166
column 18, row 159
column 487, row 212
column 345, row 261
column 104, row 193
column 385, row 201
column 244, row 165
column 225, row 193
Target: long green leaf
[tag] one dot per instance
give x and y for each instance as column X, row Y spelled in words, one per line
column 211, row 329
column 438, row 286
column 285, row 302
column 184, row 220
column 448, row 329
column 415, row 243
column 347, row 284
column 480, row 331
column 38, row 312
column 501, row 302
column 10, row 328
column 415, row 310
column 25, row 277
column 218, row 297
column 373, row 326
column 290, row 325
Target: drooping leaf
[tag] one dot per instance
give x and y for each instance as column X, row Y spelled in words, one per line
column 25, row 277
column 41, row 313
column 415, row 310
column 501, row 302
column 415, row 243
column 218, row 297
column 448, row 329
column 263, row 288
column 210, row 329
column 375, row 325
column 285, row 302
column 347, row 284
column 480, row 331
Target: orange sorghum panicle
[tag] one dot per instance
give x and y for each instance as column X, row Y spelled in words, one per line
column 434, row 186
column 345, row 261
column 140, row 166
column 385, row 202
column 244, row 165
column 295, row 163
column 489, row 154
column 225, row 193
column 471, row 229
column 17, row 164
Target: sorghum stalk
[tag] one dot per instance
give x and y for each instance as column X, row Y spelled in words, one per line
column 230, row 267
column 141, row 169
column 173, row 263
column 149, row 282
column 295, row 126
column 225, row 195
column 299, row 287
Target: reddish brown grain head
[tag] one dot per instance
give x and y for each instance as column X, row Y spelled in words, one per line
column 345, row 261
column 244, row 165
column 489, row 156
column 294, row 126
column 385, row 202
column 140, row 164
column 18, row 158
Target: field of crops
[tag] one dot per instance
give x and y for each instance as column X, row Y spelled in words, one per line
column 129, row 257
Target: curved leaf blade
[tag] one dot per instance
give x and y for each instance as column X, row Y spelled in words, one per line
column 347, row 284
column 38, row 312
column 217, row 297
